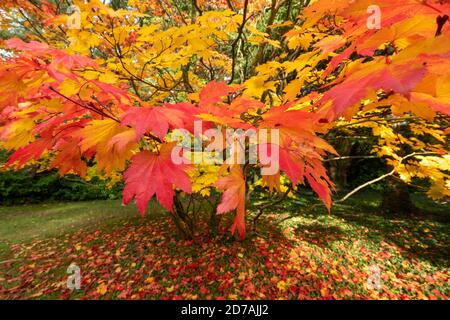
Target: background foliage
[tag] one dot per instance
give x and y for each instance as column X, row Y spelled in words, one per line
column 29, row 185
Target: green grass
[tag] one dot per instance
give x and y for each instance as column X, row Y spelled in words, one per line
column 28, row 222
column 24, row 223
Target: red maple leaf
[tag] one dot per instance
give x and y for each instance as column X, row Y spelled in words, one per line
column 159, row 120
column 213, row 93
column 154, row 173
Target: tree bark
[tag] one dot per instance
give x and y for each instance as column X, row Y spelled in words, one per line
column 182, row 221
column 339, row 169
column 396, row 198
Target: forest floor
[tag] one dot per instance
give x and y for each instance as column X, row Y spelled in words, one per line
column 299, row 252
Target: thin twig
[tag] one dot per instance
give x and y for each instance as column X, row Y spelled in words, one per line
column 236, row 42
column 271, row 204
column 390, row 173
column 350, row 157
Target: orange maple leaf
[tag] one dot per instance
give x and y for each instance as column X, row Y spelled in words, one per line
column 233, row 198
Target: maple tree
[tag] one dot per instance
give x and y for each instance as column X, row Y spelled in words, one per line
column 115, row 84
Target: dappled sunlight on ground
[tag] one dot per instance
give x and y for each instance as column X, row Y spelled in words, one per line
column 306, row 257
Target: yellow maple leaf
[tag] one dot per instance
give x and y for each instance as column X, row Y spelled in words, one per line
column 69, row 87
column 282, row 285
column 102, row 289
column 108, row 77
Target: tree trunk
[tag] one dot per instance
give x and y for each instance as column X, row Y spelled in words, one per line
column 182, row 220
column 213, row 223
column 339, row 169
column 214, row 219
column 396, row 198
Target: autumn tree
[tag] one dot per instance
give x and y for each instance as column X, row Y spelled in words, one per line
column 118, row 84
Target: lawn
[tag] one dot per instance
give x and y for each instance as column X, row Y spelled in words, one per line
column 299, row 252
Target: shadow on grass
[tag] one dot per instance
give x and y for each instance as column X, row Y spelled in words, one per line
column 424, row 235
column 320, row 234
column 416, row 237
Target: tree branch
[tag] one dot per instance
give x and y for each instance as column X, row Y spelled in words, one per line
column 195, row 4
column 236, row 42
column 350, row 157
column 390, row 173
column 271, row 204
